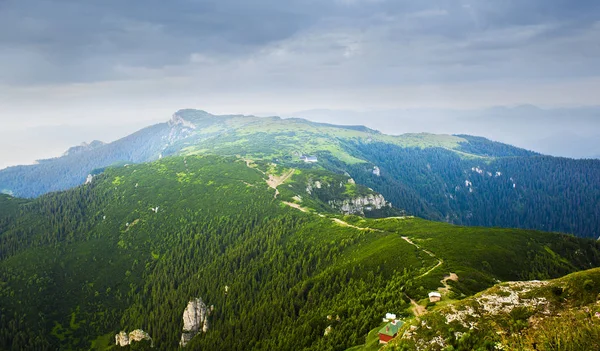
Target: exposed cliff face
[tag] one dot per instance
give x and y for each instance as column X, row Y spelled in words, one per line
column 195, row 319
column 83, row 147
column 359, row 205
column 341, row 193
column 124, row 339
column 177, row 119
column 180, row 128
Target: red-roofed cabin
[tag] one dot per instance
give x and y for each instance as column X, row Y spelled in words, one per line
column 390, row 331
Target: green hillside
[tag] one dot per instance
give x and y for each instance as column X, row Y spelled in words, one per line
column 280, row 266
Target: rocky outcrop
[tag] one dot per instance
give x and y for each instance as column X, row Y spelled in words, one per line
column 177, row 120
column 195, row 319
column 124, row 339
column 83, row 147
column 377, row 171
column 359, row 205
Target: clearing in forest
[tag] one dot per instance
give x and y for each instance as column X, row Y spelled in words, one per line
column 275, row 181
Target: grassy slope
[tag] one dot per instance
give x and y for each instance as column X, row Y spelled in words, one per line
column 279, row 138
column 480, row 256
column 371, row 341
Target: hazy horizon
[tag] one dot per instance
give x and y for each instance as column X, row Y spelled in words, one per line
column 556, row 139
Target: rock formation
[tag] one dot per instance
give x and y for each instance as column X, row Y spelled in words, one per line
column 178, row 120
column 377, row 171
column 195, row 319
column 124, row 339
column 83, row 147
column 358, row 205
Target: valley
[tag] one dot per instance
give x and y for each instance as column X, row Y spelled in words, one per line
column 129, row 250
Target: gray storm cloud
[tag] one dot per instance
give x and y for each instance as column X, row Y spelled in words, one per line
column 65, row 41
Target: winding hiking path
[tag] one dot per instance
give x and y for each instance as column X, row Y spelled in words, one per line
column 296, row 206
column 407, row 239
column 427, row 252
column 418, row 310
column 446, row 288
column 346, row 224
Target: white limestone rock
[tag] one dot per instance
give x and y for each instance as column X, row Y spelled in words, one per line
column 358, row 205
column 139, row 335
column 195, row 319
column 124, row 339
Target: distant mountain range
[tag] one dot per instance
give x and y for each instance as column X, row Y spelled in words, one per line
column 566, row 131
column 460, row 179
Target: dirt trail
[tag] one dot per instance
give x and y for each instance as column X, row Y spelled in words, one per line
column 446, row 288
column 427, row 252
column 432, row 269
column 275, row 181
column 251, row 164
column 296, row 206
column 417, row 309
column 346, row 224
column 397, row 217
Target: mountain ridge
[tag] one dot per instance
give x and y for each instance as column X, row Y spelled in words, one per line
column 459, row 179
column 196, row 119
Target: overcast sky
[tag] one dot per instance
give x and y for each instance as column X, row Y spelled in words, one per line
column 109, row 67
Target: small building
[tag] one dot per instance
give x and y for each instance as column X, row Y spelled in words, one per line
column 390, row 331
column 435, row 296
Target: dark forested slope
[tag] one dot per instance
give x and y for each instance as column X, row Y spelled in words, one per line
column 541, row 192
